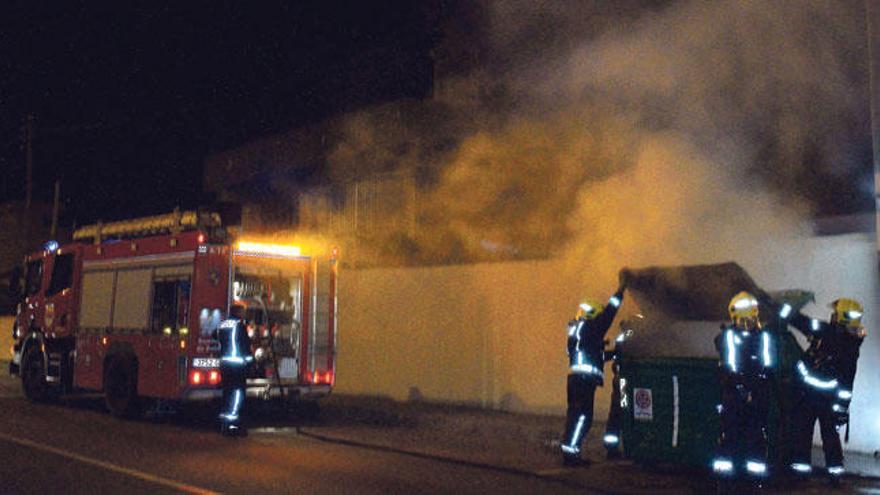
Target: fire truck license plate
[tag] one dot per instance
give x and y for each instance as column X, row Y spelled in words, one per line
column 287, row 368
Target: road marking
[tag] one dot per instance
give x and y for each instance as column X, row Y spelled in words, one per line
column 110, row 467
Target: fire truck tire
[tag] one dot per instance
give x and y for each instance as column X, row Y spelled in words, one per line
column 33, row 376
column 120, row 387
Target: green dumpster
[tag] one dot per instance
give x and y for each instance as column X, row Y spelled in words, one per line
column 669, row 365
column 670, row 409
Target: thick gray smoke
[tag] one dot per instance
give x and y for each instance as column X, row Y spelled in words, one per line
column 629, row 132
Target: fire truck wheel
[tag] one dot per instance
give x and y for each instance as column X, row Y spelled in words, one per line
column 120, row 387
column 33, row 376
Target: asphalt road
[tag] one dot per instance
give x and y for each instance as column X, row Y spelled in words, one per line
column 76, row 447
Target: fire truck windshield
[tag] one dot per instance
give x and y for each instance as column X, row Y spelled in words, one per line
column 268, row 296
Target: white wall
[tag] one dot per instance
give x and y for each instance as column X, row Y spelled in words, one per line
column 494, row 334
column 834, row 267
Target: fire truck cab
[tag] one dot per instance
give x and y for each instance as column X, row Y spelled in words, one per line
column 130, row 308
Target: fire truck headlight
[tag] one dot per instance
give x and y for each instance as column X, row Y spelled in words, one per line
column 756, row 467
column 722, row 465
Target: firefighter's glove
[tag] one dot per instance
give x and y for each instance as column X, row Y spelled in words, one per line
column 840, row 411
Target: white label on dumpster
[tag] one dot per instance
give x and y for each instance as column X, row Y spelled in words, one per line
column 643, row 404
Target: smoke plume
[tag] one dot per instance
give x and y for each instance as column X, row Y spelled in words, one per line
column 631, row 134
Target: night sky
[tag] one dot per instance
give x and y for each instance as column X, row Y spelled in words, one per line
column 128, row 101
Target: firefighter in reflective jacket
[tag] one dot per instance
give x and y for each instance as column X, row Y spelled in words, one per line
column 586, row 335
column 235, row 359
column 824, row 390
column 747, row 354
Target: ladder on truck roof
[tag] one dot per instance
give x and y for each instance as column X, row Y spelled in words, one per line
column 169, row 223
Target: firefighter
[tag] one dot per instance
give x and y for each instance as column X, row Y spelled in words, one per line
column 611, row 439
column 235, row 359
column 586, row 334
column 824, row 389
column 747, row 356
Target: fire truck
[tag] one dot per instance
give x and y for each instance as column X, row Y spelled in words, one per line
column 130, row 309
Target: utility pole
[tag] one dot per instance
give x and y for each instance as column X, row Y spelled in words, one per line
column 29, row 181
column 29, row 157
column 55, row 207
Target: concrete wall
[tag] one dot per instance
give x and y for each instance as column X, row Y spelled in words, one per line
column 494, row 334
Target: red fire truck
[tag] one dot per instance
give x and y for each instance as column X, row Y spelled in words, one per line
column 129, row 308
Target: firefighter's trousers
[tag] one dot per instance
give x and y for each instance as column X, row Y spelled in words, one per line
column 811, row 405
column 581, row 390
column 744, row 408
column 612, row 427
column 234, row 378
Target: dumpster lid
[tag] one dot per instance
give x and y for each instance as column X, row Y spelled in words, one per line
column 682, row 307
column 695, row 293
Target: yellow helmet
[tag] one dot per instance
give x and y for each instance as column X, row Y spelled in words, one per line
column 743, row 308
column 588, row 309
column 847, row 312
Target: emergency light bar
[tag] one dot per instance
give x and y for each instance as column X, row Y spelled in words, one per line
column 270, row 250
